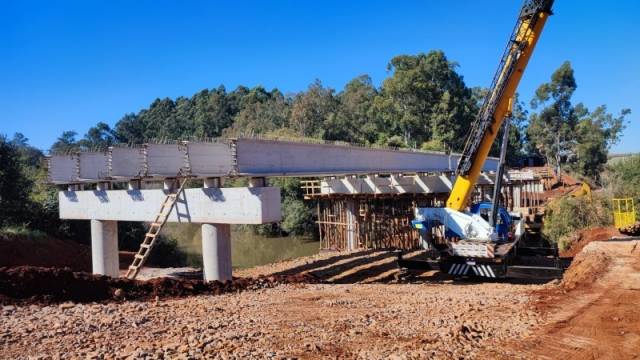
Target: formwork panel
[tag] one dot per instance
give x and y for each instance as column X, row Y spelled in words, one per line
column 379, row 222
column 210, row 159
column 127, row 162
column 63, row 169
column 164, row 160
column 94, row 165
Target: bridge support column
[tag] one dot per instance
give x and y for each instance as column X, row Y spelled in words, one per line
column 352, row 240
column 216, row 252
column 134, row 185
column 168, row 184
column 75, row 187
column 104, row 247
column 215, row 182
column 257, row 182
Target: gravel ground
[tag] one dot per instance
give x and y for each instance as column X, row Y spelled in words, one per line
column 289, row 321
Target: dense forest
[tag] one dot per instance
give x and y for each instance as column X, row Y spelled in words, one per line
column 424, row 103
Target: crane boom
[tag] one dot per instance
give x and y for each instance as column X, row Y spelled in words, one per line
column 524, row 37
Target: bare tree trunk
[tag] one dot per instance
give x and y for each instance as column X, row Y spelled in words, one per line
column 558, row 167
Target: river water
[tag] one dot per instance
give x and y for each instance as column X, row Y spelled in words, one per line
column 247, row 249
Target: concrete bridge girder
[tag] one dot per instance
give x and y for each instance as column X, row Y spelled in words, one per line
column 243, row 157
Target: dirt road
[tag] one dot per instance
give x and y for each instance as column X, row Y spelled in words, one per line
column 599, row 318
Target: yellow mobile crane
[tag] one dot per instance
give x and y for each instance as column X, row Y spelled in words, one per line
column 479, row 243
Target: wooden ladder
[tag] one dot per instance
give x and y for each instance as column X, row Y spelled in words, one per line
column 155, row 227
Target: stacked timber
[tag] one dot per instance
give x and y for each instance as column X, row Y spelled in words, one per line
column 633, row 229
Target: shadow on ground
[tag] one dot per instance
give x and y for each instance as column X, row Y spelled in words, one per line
column 380, row 266
column 368, row 266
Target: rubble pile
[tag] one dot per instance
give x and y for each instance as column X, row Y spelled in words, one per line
column 50, row 285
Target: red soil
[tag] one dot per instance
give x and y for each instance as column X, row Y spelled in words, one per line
column 585, row 269
column 593, row 314
column 46, row 252
column 584, row 237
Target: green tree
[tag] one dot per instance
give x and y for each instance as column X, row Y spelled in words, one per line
column 29, row 155
column 552, row 129
column 425, row 99
column 297, row 214
column 14, row 185
column 312, row 109
column 517, row 130
column 158, row 119
column 182, row 126
column 66, row 142
column 354, row 120
column 214, row 111
column 100, row 137
column 622, row 179
column 596, row 132
column 130, row 129
column 262, row 112
column 568, row 134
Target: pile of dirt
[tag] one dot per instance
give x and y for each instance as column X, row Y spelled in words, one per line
column 46, row 252
column 583, row 237
column 585, row 269
column 51, row 285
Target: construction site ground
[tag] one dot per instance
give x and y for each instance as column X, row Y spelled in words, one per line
column 334, row 305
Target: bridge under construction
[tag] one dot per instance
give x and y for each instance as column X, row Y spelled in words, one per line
column 364, row 195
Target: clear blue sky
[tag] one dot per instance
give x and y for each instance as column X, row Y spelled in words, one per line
column 65, row 65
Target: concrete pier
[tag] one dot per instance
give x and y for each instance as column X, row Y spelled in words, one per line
column 104, row 247
column 216, row 252
column 215, row 182
column 350, row 206
column 168, row 184
column 257, row 182
column 134, row 185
